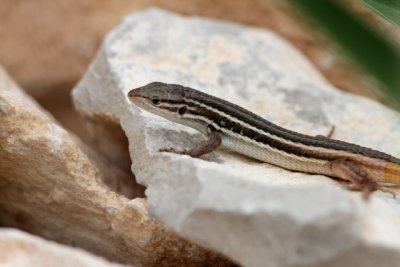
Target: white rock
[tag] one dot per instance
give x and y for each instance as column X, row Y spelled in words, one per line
column 19, row 249
column 53, row 185
column 255, row 213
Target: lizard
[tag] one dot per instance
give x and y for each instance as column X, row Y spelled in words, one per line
column 233, row 127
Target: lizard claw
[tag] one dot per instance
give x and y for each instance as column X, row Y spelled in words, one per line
column 388, row 191
column 172, row 150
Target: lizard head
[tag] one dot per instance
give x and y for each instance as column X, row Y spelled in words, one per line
column 166, row 100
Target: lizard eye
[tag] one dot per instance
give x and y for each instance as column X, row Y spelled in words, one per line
column 155, row 100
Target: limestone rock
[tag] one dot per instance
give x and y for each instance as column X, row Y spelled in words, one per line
column 54, row 186
column 255, row 213
column 19, row 249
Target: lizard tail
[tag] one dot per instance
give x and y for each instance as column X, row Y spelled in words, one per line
column 392, row 173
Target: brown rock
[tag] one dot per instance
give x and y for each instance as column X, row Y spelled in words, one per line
column 107, row 137
column 19, row 249
column 51, row 187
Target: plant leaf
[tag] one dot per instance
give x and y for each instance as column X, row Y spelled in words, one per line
column 366, row 47
column 389, row 9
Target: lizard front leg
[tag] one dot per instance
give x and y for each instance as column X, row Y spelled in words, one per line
column 207, row 146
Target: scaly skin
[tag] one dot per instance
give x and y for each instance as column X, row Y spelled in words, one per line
column 240, row 130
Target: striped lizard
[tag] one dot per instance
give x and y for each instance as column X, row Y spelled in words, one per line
column 240, row 130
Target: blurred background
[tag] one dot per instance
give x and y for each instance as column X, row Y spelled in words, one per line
column 46, row 46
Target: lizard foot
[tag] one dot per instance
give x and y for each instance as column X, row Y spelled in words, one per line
column 173, row 150
column 358, row 176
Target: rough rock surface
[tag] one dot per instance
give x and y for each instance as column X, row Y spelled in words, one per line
column 255, row 213
column 53, row 186
column 19, row 249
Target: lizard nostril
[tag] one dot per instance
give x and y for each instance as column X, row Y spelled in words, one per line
column 131, row 93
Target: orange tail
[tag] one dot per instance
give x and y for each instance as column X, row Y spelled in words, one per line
column 392, row 173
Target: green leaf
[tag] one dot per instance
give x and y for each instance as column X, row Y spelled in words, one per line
column 389, row 9
column 370, row 50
